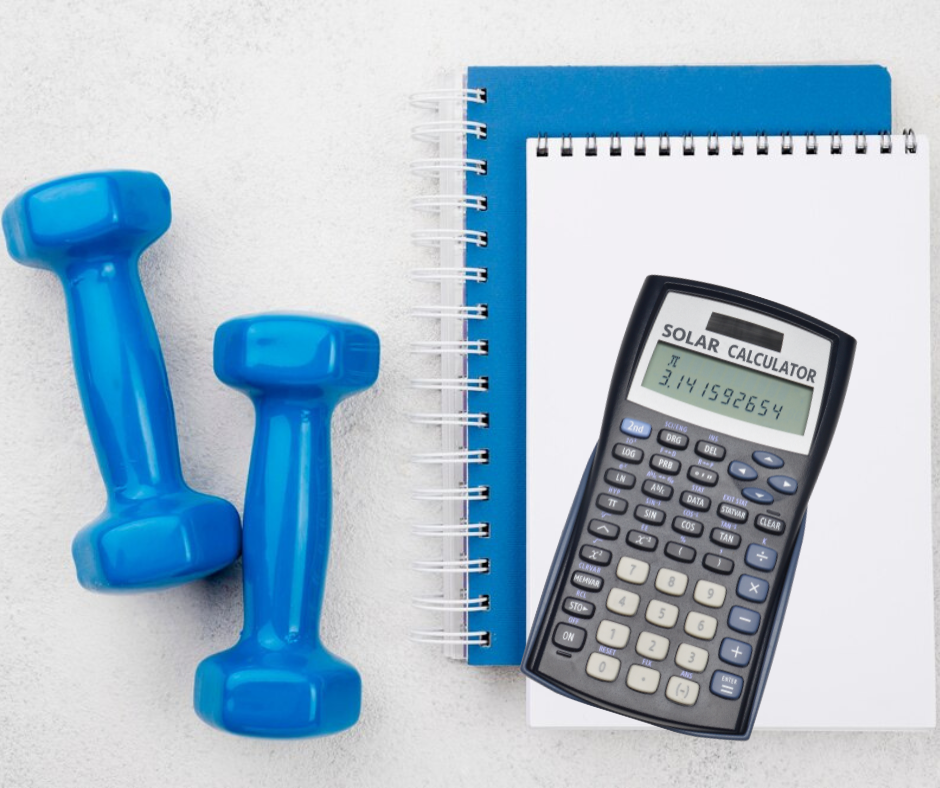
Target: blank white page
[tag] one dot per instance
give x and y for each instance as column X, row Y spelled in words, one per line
column 844, row 238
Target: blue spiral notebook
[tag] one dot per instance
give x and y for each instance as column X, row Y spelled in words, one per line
column 479, row 123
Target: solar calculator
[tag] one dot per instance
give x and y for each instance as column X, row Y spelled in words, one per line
column 667, row 592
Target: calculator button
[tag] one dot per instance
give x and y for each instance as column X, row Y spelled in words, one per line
column 622, row 602
column 783, row 484
column 663, row 464
column 675, row 440
column 680, row 552
column 682, row 691
column 643, row 679
column 725, row 538
column 632, row 570
column 760, row 557
column 621, row 479
column 710, row 451
column 691, row 658
column 757, row 495
column 610, row 633
column 691, row 500
column 651, row 645
column 703, row 476
column 569, row 637
column 629, row 454
column 603, row 529
column 642, row 541
column 662, row 614
column 740, row 470
column 578, row 607
column 638, row 429
column 740, row 619
column 657, row 490
column 596, row 555
column 718, row 563
column 770, row 525
column 700, row 626
column 753, row 588
column 709, row 594
column 734, row 652
column 602, row 667
column 733, row 513
column 670, row 582
column 649, row 514
column 726, row 685
column 586, row 581
column 612, row 504
column 684, row 525
column 767, row 459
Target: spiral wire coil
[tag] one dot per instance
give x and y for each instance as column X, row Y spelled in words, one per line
column 688, row 144
column 449, row 237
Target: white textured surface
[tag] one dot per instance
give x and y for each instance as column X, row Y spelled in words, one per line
column 282, row 131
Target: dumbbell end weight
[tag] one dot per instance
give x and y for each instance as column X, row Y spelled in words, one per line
column 252, row 691
column 157, row 543
column 90, row 229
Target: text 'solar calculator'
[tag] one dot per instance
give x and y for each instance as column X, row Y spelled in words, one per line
column 668, row 589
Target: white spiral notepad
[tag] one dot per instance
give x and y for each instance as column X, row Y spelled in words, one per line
column 837, row 227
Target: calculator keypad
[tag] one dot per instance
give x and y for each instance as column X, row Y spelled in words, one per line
column 683, row 615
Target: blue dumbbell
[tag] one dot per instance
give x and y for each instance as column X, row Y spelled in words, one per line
column 279, row 681
column 90, row 230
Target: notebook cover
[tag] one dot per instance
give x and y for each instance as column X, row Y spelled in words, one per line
column 522, row 102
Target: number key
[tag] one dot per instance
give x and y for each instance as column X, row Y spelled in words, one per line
column 602, row 667
column 670, row 582
column 709, row 594
column 691, row 658
column 652, row 646
column 632, row 570
column 698, row 625
column 662, row 614
column 623, row 602
column 610, row 633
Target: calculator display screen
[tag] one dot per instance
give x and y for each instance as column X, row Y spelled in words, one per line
column 730, row 389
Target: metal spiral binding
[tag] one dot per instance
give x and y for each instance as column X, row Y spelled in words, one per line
column 664, row 145
column 449, row 236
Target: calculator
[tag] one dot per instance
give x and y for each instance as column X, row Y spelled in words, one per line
column 667, row 592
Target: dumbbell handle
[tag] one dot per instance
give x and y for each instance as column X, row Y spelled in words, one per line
column 286, row 520
column 122, row 378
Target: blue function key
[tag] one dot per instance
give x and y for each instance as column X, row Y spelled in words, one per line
column 740, row 619
column 742, row 471
column 734, row 652
column 752, row 588
column 638, row 429
column 757, row 495
column 783, row 484
column 726, row 685
column 767, row 459
column 760, row 557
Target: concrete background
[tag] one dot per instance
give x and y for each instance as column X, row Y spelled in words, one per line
column 282, row 130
